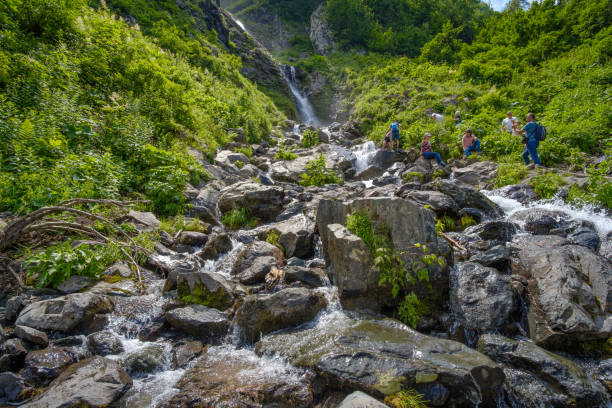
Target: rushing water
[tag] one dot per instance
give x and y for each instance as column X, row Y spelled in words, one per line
column 304, row 107
column 364, row 152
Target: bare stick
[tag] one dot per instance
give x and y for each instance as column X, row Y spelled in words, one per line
column 452, row 241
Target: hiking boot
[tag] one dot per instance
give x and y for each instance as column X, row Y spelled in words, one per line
column 531, row 166
column 443, row 164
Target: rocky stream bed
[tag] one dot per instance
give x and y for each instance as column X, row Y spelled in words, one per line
column 519, row 318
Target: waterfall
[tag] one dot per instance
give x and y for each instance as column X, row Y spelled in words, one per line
column 364, row 152
column 304, row 107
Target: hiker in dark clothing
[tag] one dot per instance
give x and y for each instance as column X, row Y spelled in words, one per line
column 531, row 142
column 427, row 153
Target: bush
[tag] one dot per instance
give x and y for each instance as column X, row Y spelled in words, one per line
column 247, row 151
column 509, row 173
column 546, row 184
column 317, row 174
column 236, row 219
column 285, row 155
column 406, row 399
column 310, row 138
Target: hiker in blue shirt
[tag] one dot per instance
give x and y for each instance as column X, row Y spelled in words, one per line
column 531, row 143
column 394, row 133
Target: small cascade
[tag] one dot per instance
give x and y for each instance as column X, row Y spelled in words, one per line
column 364, row 152
column 304, row 107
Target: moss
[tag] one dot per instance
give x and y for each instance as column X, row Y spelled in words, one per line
column 112, row 278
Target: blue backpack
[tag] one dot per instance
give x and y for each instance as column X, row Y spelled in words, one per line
column 394, row 127
column 540, row 133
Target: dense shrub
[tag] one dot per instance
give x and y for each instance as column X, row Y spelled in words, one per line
column 317, row 174
column 239, row 218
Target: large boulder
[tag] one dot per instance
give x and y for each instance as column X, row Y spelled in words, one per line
column 65, row 313
column 228, row 158
column 263, row 202
column 385, row 158
column 482, row 298
column 351, row 264
column 12, row 388
column 523, row 193
column 183, row 353
column 495, row 231
column 255, row 261
column 206, row 288
column 478, row 174
column 205, row 323
column 261, row 314
column 143, row 220
column 466, row 196
column 295, row 236
column 384, row 357
column 216, row 245
column 146, row 360
column 204, row 206
column 557, row 380
column 225, row 377
column 42, row 366
column 439, row 202
column 94, row 382
column 32, row 335
column 570, row 290
column 358, row 399
column 104, row 342
column 540, row 221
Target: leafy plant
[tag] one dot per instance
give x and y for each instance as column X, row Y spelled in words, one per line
column 238, row 218
column 317, row 174
column 509, row 173
column 467, row 221
column 546, row 184
column 239, row 164
column 174, row 224
column 247, row 151
column 410, row 176
column 310, row 138
column 406, row 399
column 285, row 155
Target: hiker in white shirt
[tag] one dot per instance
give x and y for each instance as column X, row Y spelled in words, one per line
column 510, row 124
column 438, row 118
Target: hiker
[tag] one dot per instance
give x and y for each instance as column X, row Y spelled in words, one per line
column 470, row 143
column 457, row 118
column 393, row 131
column 426, row 150
column 437, row 117
column 387, row 142
column 530, row 140
column 510, row 124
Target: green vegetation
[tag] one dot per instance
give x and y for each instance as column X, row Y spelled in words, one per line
column 236, row 219
column 406, row 399
column 509, row 173
column 283, row 152
column 392, row 268
column 179, row 223
column 59, row 262
column 598, row 190
column 467, row 221
column 412, row 175
column 310, row 138
column 444, row 224
column 93, row 107
column 546, row 184
column 317, row 174
column 239, row 164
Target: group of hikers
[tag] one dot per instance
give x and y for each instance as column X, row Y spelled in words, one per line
column 531, row 134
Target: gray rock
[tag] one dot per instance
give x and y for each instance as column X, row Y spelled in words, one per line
column 208, row 288
column 497, row 257
column 321, row 36
column 204, row 206
column 570, row 288
column 369, row 173
column 146, row 220
column 496, row 231
column 385, row 158
column 12, row 387
column 207, row 324
column 557, row 373
column 314, row 277
column 32, row 335
column 482, row 298
column 586, row 237
column 42, row 366
column 296, row 236
column 384, row 356
column 523, row 193
column 540, row 221
column 65, row 313
column 440, row 202
column 192, row 238
column 75, row 284
column 228, row 158
column 217, row 244
column 478, row 174
column 358, row 399
column 466, row 196
column 103, row 343
column 145, row 360
column 95, row 382
column 13, row 355
column 261, row 314
column 14, row 306
column 184, row 353
column 255, row 261
column 263, row 202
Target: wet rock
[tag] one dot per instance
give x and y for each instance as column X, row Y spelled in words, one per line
column 605, row 249
column 64, row 313
column 217, row 244
column 207, row 324
column 385, row 158
column 204, row 206
column 235, row 378
column 75, row 284
column 358, row 399
column 13, row 355
column 192, row 238
column 70, row 341
column 475, row 213
column 42, row 366
column 585, row 237
column 382, row 357
column 482, row 298
column 497, row 231
column 369, row 173
column 143, row 220
column 95, row 383
column 206, row 288
column 570, row 288
column 228, row 158
column 523, row 388
column 478, row 174
column 103, row 343
column 497, row 257
column 14, row 305
column 523, row 193
column 603, row 373
column 540, row 221
column 184, row 353
column 440, row 202
column 466, row 196
column 557, row 373
column 145, row 360
column 263, row 202
column 255, row 261
column 314, row 277
column 261, row 314
column 13, row 388
column 296, row 236
column 387, row 180
column 32, row 335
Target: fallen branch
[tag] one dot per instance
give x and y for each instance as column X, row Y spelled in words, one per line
column 453, row 242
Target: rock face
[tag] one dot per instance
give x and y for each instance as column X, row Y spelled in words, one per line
column 205, row 323
column 482, row 298
column 64, row 313
column 255, row 261
column 383, row 357
column 238, row 379
column 207, row 288
column 263, row 202
column 556, row 381
column 321, row 36
column 261, row 314
column 351, row 263
column 570, row 288
column 94, row 382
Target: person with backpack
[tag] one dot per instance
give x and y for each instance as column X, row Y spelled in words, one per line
column 428, row 153
column 394, row 132
column 470, row 143
column 532, row 135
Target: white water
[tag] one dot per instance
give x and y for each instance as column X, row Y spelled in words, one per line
column 603, row 223
column 241, row 25
column 364, row 152
column 304, row 107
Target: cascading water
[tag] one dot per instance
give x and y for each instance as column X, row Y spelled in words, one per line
column 364, row 152
column 304, row 107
